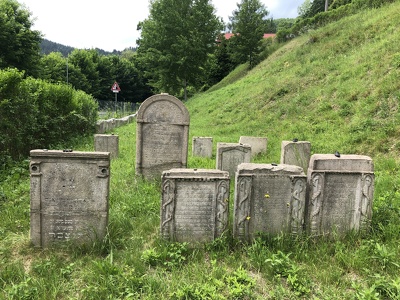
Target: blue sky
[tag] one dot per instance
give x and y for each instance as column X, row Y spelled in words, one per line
column 110, row 25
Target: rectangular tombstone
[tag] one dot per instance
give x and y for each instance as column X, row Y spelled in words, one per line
column 162, row 135
column 194, row 204
column 269, row 198
column 258, row 144
column 107, row 143
column 202, row 146
column 340, row 193
column 230, row 155
column 296, row 153
column 69, row 196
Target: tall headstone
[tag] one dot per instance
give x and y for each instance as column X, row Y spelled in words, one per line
column 269, row 199
column 258, row 144
column 162, row 135
column 230, row 155
column 69, row 196
column 341, row 190
column 107, row 143
column 202, row 146
column 194, row 204
column 296, row 153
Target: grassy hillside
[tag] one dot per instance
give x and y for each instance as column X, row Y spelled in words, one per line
column 337, row 87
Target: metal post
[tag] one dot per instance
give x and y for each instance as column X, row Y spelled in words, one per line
column 116, row 95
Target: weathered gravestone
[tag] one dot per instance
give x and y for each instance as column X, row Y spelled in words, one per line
column 194, row 204
column 69, row 196
column 269, row 199
column 258, row 144
column 202, row 146
column 162, row 136
column 340, row 193
column 296, row 153
column 107, row 143
column 230, row 155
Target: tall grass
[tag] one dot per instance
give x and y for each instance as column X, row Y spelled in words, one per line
column 335, row 87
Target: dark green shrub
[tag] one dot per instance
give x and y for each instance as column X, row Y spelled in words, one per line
column 38, row 114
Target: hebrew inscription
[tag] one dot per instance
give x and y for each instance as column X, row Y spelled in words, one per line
column 341, row 193
column 269, row 199
column 69, row 196
column 162, row 134
column 194, row 205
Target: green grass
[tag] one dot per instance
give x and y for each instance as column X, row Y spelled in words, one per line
column 337, row 87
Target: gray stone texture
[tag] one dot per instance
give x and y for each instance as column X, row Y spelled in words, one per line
column 194, row 204
column 341, row 191
column 258, row 144
column 103, row 126
column 230, row 155
column 269, row 199
column 107, row 143
column 162, row 135
column 296, row 153
column 69, row 196
column 202, row 146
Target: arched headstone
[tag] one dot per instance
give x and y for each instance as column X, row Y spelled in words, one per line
column 162, row 135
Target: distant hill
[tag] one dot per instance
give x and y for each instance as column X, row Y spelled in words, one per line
column 47, row 47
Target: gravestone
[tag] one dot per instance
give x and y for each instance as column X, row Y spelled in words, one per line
column 270, row 199
column 107, row 143
column 296, row 153
column 230, row 155
column 194, row 204
column 340, row 193
column 202, row 146
column 69, row 196
column 162, row 135
column 258, row 144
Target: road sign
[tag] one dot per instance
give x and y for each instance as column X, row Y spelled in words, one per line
column 115, row 87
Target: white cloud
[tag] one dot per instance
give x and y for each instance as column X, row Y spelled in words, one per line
column 112, row 25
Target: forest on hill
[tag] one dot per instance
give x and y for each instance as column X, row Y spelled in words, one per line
column 333, row 79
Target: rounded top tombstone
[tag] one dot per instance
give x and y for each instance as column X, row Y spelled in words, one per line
column 163, row 108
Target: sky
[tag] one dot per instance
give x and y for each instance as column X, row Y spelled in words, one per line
column 111, row 25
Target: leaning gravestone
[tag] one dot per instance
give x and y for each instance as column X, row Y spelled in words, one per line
column 107, row 143
column 161, row 136
column 269, row 199
column 296, row 153
column 230, row 155
column 69, row 196
column 340, row 193
column 202, row 146
column 258, row 144
column 194, row 204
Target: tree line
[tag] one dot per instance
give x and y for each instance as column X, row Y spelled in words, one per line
column 181, row 50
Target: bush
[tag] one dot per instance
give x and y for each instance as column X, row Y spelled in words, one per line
column 38, row 114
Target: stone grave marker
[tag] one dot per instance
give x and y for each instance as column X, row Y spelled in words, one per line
column 107, row 143
column 194, row 204
column 258, row 144
column 230, row 155
column 270, row 199
column 69, row 196
column 341, row 191
column 162, row 135
column 202, row 146
column 296, row 153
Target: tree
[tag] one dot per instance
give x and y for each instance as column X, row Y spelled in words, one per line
column 53, row 68
column 19, row 45
column 85, row 63
column 249, row 23
column 176, row 41
column 304, row 8
column 309, row 10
